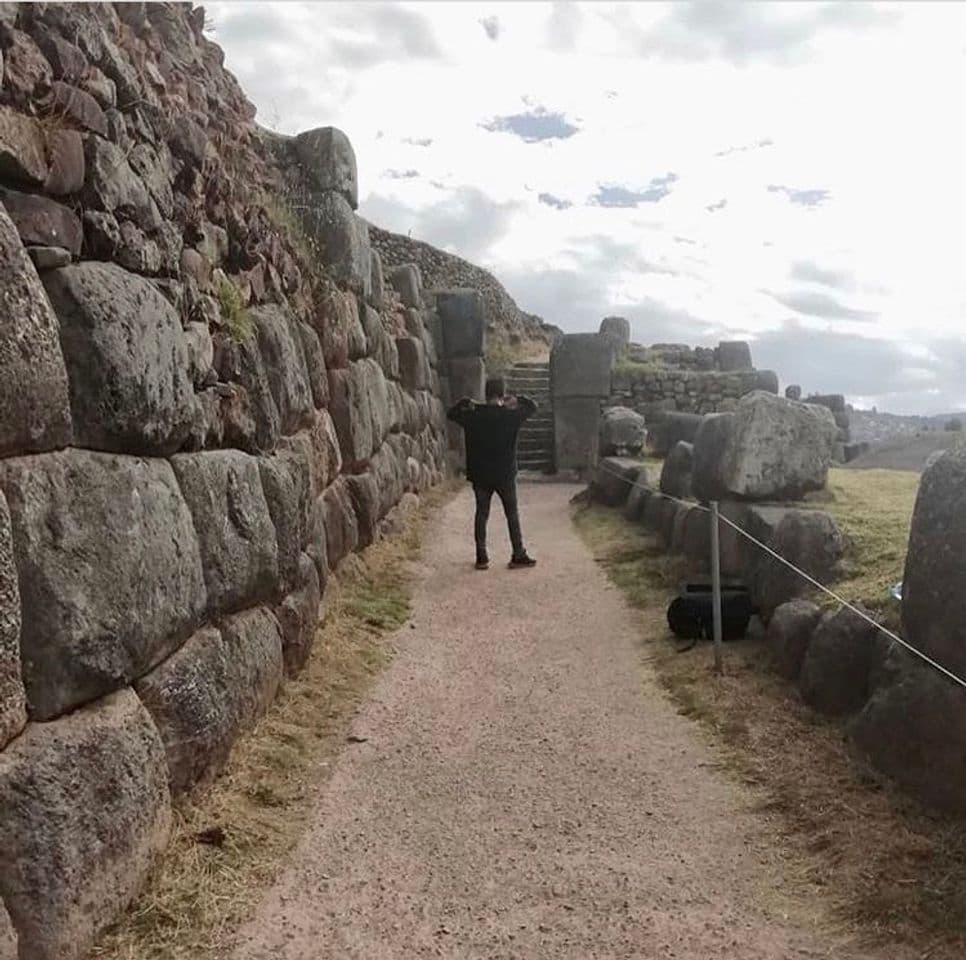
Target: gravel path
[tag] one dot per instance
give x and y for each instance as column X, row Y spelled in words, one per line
column 526, row 791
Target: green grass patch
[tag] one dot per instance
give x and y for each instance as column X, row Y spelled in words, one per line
column 236, row 318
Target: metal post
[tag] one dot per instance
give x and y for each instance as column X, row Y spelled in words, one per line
column 716, row 586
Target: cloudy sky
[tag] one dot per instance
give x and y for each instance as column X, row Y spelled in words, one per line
column 794, row 174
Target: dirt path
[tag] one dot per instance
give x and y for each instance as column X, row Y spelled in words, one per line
column 526, row 791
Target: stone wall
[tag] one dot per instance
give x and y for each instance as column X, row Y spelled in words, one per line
column 209, row 395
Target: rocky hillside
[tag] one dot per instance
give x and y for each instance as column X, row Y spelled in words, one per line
column 506, row 322
column 873, row 426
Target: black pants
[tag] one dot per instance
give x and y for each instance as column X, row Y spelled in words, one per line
column 507, row 492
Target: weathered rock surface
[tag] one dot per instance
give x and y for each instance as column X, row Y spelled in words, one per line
column 811, row 540
column 23, row 155
column 208, row 692
column 933, row 596
column 8, row 936
column 676, row 472
column 236, row 537
column 408, row 283
column 913, row 729
column 789, row 632
column 414, row 370
column 43, row 222
column 463, row 323
column 286, row 482
column 734, row 355
column 344, row 240
column 615, row 477
column 127, row 357
column 298, row 616
column 283, row 357
column 98, row 611
column 364, row 492
column 330, row 162
column 339, row 522
column 672, row 428
column 622, row 432
column 34, row 408
column 86, row 813
column 580, row 366
column 13, row 701
column 840, row 656
column 576, row 422
column 467, row 377
column 617, row 331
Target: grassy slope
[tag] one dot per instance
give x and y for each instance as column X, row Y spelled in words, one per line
column 882, row 862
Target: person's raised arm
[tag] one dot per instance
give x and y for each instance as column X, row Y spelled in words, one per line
column 525, row 406
column 457, row 413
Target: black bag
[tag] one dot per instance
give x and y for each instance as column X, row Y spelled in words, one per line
column 691, row 613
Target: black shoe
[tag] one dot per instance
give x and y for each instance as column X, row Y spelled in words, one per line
column 482, row 563
column 524, row 560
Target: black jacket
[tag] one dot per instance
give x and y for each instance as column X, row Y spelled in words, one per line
column 491, row 438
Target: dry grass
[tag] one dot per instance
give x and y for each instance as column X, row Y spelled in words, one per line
column 884, row 865
column 202, row 891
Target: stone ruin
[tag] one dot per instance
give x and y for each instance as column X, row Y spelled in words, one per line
column 210, row 395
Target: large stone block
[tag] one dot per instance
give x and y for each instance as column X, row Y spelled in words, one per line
column 676, row 472
column 580, row 366
column 617, row 331
column 377, row 296
column 380, row 345
column 23, row 154
column 114, row 187
column 389, row 472
column 314, row 365
column 576, row 431
column 283, row 358
column 319, row 448
column 298, row 616
column 85, row 815
column 8, row 936
column 734, row 355
column 287, row 485
column 344, row 239
column 364, row 492
column 211, row 690
column 34, row 407
column 671, row 427
column 339, row 522
column 622, row 432
column 812, row 541
column 789, row 632
column 42, row 222
column 770, row 448
column 614, row 479
column 240, row 361
column 838, row 663
column 913, row 729
column 236, row 536
column 13, row 701
column 461, row 316
column 407, row 281
column 329, row 161
column 127, row 359
column 467, row 377
column 414, row 371
column 934, row 585
column 109, row 572
column 360, row 409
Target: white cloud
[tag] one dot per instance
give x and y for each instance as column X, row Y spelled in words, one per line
column 851, row 104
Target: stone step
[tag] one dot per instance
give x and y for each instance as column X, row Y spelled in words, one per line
column 531, row 365
column 533, row 449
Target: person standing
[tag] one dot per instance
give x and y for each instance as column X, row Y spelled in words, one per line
column 491, row 430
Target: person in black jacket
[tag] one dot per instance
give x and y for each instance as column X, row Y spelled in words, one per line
column 491, row 430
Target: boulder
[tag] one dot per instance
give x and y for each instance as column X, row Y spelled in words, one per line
column 913, row 729
column 34, row 407
column 414, row 368
column 766, row 380
column 467, row 377
column 339, row 522
column 653, row 514
column 43, row 222
column 127, row 357
column 86, row 814
column 789, row 631
column 298, row 616
column 76, row 106
column 314, row 365
column 812, row 541
column 344, row 240
column 407, row 281
column 681, row 518
column 770, row 448
column 676, row 472
column 283, row 358
column 355, row 331
column 8, row 936
column 23, row 153
column 670, row 427
column 576, row 432
column 580, row 366
column 113, row 187
column 48, row 258
column 13, row 700
column 207, row 693
column 933, row 594
column 236, row 536
column 286, row 483
column 734, row 355
column 614, row 479
column 463, row 322
column 388, row 470
column 329, row 161
column 201, row 352
column 617, row 331
column 381, row 346
column 98, row 611
column 319, row 447
column 794, row 392
column 636, row 502
column 838, row 662
column 622, row 431
column 696, row 542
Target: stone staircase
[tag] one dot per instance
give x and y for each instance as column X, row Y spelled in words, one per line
column 535, row 444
